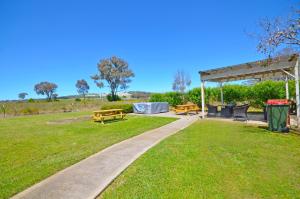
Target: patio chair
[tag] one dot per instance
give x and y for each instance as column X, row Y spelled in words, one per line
column 227, row 111
column 240, row 112
column 212, row 110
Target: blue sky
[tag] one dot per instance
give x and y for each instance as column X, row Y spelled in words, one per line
column 61, row 41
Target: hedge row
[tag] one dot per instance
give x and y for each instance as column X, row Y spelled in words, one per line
column 173, row 98
column 256, row 94
column 127, row 108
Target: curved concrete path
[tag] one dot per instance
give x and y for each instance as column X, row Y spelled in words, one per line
column 89, row 177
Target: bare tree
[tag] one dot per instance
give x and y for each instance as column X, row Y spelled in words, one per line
column 279, row 33
column 116, row 73
column 286, row 51
column 22, row 95
column 181, row 81
column 45, row 88
column 82, row 87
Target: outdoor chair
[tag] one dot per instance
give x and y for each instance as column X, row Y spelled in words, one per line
column 212, row 110
column 240, row 112
column 227, row 111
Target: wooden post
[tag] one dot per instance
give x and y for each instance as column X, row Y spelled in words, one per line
column 222, row 98
column 202, row 98
column 287, row 88
column 297, row 90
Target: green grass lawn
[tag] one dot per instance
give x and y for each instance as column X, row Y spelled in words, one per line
column 32, row 149
column 213, row 159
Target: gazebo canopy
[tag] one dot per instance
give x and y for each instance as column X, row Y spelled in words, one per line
column 282, row 67
column 264, row 69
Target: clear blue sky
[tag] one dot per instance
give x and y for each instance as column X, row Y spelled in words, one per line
column 61, row 41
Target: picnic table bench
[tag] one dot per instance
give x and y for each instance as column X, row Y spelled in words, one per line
column 100, row 116
column 186, row 108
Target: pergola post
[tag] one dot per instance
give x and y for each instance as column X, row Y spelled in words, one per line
column 287, row 88
column 222, row 97
column 297, row 90
column 202, row 98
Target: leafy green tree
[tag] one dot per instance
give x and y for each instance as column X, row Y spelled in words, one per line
column 45, row 88
column 111, row 99
column 55, row 96
column 82, row 87
column 22, row 95
column 115, row 72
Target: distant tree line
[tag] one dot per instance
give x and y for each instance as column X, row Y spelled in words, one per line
column 113, row 72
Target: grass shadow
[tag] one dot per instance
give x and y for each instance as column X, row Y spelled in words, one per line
column 111, row 121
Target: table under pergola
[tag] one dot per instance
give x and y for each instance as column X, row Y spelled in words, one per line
column 279, row 68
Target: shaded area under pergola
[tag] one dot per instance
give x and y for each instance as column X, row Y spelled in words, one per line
column 279, row 68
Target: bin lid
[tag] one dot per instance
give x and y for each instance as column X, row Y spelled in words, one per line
column 278, row 102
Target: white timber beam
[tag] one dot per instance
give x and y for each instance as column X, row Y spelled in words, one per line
column 297, row 90
column 202, row 99
column 286, row 72
column 222, row 97
column 287, row 88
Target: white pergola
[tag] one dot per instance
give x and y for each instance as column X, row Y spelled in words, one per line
column 284, row 67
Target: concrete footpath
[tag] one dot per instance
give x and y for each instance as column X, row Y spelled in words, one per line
column 89, row 177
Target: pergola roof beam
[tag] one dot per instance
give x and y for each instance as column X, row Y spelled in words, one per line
column 286, row 72
column 252, row 70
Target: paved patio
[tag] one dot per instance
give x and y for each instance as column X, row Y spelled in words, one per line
column 89, row 177
column 253, row 118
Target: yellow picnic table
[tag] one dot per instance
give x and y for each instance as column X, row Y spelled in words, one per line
column 186, row 108
column 100, row 116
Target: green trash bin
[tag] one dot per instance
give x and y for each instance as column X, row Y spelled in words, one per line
column 278, row 117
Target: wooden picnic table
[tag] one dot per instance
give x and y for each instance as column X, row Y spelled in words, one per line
column 101, row 115
column 186, row 108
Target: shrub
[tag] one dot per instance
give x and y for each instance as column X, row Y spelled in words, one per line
column 110, row 99
column 30, row 111
column 263, row 91
column 127, row 108
column 65, row 109
column 157, row 97
column 173, row 98
column 234, row 93
column 211, row 95
column 31, row 100
column 256, row 94
column 194, row 96
column 77, row 100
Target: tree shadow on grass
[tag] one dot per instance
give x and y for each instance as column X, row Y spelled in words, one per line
column 69, row 120
column 111, row 121
column 291, row 131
